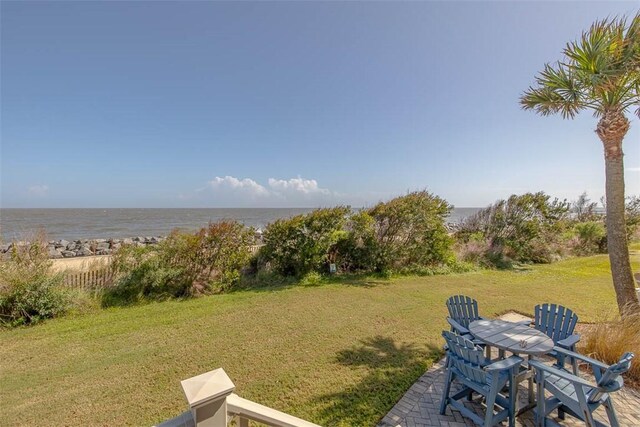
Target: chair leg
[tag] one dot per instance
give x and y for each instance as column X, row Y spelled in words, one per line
column 541, row 413
column 513, row 400
column 491, row 401
column 588, row 419
column 584, row 407
column 445, row 391
column 611, row 413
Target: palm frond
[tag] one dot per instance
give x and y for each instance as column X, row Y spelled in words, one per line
column 557, row 92
column 600, row 71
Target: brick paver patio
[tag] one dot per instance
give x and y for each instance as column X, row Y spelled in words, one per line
column 419, row 407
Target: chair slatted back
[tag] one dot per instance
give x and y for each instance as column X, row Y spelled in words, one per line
column 611, row 379
column 467, row 358
column 556, row 321
column 463, row 309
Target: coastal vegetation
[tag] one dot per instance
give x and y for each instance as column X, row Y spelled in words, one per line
column 182, row 265
column 337, row 354
column 600, row 72
column 524, row 228
column 406, row 235
column 29, row 290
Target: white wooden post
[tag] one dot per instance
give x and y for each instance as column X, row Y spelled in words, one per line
column 207, row 397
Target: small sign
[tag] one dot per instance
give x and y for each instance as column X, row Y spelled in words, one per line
column 332, row 268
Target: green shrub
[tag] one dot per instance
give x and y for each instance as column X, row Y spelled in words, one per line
column 410, row 232
column 590, row 238
column 312, row 278
column 304, row 243
column 404, row 234
column 29, row 290
column 183, row 265
column 523, row 228
column 358, row 250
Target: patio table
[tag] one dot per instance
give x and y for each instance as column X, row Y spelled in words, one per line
column 514, row 337
column 517, row 339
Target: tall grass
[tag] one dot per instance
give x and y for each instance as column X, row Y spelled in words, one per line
column 609, row 339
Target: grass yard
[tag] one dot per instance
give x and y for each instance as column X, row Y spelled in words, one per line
column 335, row 354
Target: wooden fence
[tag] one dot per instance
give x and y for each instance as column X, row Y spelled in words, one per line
column 92, row 280
column 102, row 278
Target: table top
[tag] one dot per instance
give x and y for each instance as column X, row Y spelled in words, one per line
column 513, row 337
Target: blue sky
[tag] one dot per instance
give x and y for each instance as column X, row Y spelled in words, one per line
column 211, row 104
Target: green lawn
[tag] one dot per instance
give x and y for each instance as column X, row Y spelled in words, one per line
column 336, row 354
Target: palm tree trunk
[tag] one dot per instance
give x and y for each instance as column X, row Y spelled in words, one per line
column 611, row 129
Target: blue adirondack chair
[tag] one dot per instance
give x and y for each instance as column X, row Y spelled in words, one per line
column 467, row 364
column 462, row 311
column 558, row 323
column 573, row 395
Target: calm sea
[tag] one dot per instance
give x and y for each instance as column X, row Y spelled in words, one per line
column 118, row 223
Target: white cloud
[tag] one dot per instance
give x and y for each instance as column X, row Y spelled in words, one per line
column 38, row 190
column 633, row 169
column 230, row 191
column 297, row 185
column 245, row 186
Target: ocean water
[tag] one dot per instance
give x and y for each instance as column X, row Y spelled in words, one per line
column 68, row 224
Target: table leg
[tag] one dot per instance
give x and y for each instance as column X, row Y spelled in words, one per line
column 531, row 398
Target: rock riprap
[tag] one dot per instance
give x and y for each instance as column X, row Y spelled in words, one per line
column 87, row 247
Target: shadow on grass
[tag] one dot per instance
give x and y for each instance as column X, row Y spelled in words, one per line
column 391, row 369
column 271, row 283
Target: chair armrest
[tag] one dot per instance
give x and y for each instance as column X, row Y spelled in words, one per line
column 505, row 364
column 582, row 357
column 538, row 366
column 457, row 326
column 569, row 341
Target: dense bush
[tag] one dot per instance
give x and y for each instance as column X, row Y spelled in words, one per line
column 358, row 249
column 523, row 228
column 410, row 232
column 589, row 237
column 183, row 265
column 29, row 290
column 304, row 243
column 405, row 234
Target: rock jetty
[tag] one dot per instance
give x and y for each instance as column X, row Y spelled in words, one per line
column 87, row 247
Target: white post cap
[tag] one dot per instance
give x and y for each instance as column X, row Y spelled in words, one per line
column 207, row 387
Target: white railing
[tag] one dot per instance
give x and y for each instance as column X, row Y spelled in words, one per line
column 247, row 410
column 212, row 403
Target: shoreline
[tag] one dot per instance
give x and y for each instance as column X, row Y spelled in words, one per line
column 65, row 249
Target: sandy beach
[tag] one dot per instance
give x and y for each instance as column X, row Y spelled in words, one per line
column 84, row 263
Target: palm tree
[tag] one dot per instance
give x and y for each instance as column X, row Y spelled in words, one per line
column 600, row 72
